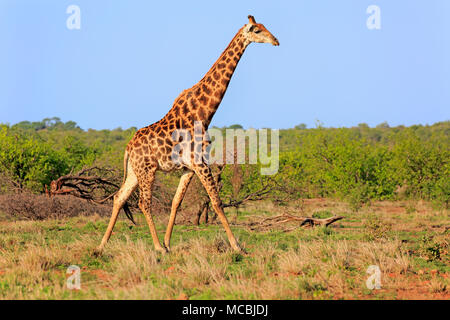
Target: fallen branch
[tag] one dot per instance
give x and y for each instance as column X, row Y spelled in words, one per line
column 275, row 221
column 85, row 185
column 254, row 196
column 88, row 186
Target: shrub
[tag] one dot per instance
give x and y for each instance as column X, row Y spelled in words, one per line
column 26, row 206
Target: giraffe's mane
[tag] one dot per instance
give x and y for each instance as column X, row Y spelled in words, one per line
column 213, row 66
column 223, row 52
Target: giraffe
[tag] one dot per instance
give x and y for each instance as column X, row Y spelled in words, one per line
column 151, row 147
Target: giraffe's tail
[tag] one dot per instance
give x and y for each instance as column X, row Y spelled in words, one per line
column 126, row 208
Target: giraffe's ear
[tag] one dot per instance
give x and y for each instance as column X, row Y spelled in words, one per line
column 251, row 19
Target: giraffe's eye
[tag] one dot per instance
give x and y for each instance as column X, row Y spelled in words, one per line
column 257, row 31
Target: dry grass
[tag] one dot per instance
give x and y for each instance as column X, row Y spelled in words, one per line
column 320, row 263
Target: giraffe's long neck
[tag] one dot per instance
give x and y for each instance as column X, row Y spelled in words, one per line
column 202, row 100
column 219, row 76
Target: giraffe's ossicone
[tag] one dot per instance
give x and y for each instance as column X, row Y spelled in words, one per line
column 152, row 147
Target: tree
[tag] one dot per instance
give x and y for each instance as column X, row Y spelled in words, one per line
column 301, row 126
column 383, row 125
column 235, row 126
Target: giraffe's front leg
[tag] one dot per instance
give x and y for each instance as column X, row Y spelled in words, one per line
column 179, row 195
column 145, row 202
column 206, row 178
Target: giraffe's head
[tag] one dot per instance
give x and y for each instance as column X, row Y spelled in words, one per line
column 256, row 32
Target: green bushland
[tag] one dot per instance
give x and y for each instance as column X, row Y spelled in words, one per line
column 355, row 164
column 362, row 163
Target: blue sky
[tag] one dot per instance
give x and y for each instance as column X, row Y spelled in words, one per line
column 131, row 59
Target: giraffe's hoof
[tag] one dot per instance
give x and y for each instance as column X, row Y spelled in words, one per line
column 238, row 249
column 97, row 252
column 163, row 250
column 242, row 251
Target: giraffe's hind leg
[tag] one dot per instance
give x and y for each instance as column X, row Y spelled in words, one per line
column 145, row 201
column 206, row 178
column 120, row 199
column 179, row 195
